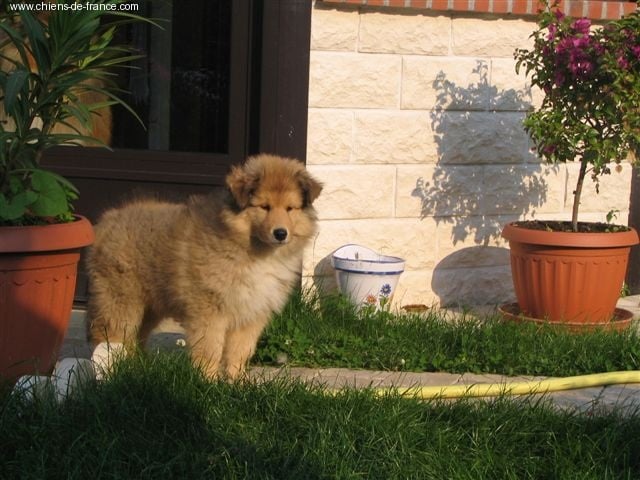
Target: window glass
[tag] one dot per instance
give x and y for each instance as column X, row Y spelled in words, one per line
column 180, row 89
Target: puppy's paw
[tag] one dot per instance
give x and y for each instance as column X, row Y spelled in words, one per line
column 104, row 355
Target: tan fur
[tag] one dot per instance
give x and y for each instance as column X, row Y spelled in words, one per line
column 218, row 264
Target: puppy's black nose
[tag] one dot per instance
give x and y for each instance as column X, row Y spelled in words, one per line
column 280, row 234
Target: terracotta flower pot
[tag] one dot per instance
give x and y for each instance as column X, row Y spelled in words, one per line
column 567, row 276
column 38, row 266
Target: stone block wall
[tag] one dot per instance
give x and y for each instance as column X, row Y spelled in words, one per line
column 415, row 130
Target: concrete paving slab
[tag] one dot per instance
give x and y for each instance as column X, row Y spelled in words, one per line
column 336, row 378
column 622, row 398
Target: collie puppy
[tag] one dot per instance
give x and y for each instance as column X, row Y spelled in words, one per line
column 220, row 265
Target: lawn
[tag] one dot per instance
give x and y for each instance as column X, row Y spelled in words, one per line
column 156, row 416
column 328, row 332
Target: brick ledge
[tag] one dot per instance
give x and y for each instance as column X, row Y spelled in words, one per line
column 594, row 9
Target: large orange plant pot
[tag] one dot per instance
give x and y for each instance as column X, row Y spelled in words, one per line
column 567, row 276
column 38, row 266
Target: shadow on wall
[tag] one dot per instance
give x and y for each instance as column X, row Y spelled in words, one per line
column 470, row 276
column 485, row 177
column 324, row 276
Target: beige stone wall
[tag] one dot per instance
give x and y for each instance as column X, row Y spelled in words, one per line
column 415, row 130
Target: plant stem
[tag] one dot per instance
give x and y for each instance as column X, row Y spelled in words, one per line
column 577, row 193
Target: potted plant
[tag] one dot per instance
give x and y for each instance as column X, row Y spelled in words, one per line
column 55, row 79
column 590, row 78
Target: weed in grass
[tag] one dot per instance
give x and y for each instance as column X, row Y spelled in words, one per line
column 328, row 331
column 158, row 417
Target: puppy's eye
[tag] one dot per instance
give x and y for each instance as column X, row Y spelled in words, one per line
column 266, row 208
column 289, row 209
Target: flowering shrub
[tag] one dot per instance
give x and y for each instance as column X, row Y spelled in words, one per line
column 591, row 81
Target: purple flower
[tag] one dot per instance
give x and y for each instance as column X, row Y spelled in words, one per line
column 636, row 51
column 623, row 62
column 582, row 42
column 574, row 54
column 582, row 25
column 564, row 45
column 581, row 68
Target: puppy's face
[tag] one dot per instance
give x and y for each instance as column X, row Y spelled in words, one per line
column 275, row 214
column 277, row 195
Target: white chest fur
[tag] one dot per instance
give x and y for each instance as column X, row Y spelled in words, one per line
column 260, row 288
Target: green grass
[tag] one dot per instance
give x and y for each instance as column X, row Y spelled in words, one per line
column 329, row 332
column 157, row 417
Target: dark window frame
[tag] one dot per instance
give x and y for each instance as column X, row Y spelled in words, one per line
column 268, row 105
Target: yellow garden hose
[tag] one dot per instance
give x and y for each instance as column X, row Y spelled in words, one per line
column 513, row 388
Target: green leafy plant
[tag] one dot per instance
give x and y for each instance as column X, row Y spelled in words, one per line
column 591, row 81
column 52, row 63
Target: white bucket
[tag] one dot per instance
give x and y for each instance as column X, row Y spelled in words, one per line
column 365, row 276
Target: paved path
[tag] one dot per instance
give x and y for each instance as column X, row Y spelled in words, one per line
column 587, row 400
column 622, row 397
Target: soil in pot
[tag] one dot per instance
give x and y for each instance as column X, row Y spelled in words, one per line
column 560, row 226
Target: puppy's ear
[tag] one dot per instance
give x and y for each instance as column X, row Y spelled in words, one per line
column 311, row 188
column 242, row 185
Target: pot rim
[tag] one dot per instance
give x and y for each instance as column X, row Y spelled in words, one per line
column 516, row 233
column 44, row 238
